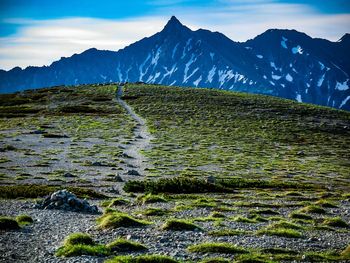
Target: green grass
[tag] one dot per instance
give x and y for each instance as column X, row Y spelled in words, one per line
column 229, row 232
column 253, row 258
column 34, row 191
column 223, row 248
column 117, row 219
column 215, row 260
column 8, row 223
column 151, row 198
column 313, row 209
column 321, row 256
column 264, row 134
column 123, row 245
column 153, row 211
column 116, row 202
column 299, row 215
column 335, row 222
column 285, row 224
column 274, row 251
column 326, row 204
column 345, row 254
column 78, row 238
column 179, row 225
column 81, row 249
column 281, row 232
column 141, row 259
column 24, row 219
column 186, row 185
column 78, row 244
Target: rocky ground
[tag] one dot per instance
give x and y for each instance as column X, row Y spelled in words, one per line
column 102, row 152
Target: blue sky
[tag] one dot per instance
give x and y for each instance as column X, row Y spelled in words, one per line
column 37, row 32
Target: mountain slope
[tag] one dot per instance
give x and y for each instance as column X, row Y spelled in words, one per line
column 283, row 63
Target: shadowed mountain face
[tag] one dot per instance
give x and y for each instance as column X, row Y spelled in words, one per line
column 283, row 63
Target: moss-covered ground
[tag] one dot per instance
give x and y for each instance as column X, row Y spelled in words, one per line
column 232, row 177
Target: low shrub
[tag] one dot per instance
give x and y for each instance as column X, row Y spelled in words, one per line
column 142, row 259
column 117, row 219
column 8, row 223
column 24, row 219
column 78, row 238
column 224, row 248
column 123, row 245
column 179, row 225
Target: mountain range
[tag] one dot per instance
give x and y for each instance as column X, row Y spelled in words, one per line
column 283, row 63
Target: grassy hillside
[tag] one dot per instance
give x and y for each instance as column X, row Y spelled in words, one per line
column 193, row 175
column 201, row 132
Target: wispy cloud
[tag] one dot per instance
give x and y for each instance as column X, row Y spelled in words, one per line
column 41, row 42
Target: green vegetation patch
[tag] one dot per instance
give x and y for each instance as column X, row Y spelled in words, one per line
column 142, row 259
column 229, row 232
column 78, row 238
column 335, row 222
column 123, row 245
column 153, row 211
column 186, row 185
column 281, row 232
column 223, row 248
column 313, row 209
column 180, row 225
column 81, row 249
column 24, row 219
column 117, row 219
column 151, row 198
column 8, row 223
column 215, row 260
column 299, row 215
column 34, row 191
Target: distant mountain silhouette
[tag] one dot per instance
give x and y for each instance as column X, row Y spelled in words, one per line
column 284, row 63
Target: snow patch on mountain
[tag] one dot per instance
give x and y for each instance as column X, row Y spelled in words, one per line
column 186, row 48
column 322, row 66
column 156, row 56
column 187, row 67
column 211, row 74
column 298, row 98
column 196, row 82
column 212, row 55
column 142, row 73
column 276, row 77
column 283, row 42
column 320, row 81
column 297, row 50
column 344, row 102
column 174, row 51
column 342, row 86
column 260, row 56
column 289, row 77
column 225, row 75
column 273, row 65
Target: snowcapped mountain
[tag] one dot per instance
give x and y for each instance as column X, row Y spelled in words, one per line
column 283, row 63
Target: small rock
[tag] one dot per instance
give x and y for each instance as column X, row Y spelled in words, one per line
column 96, row 164
column 68, row 175
column 64, row 200
column 118, row 178
column 210, row 179
column 124, row 155
column 133, row 172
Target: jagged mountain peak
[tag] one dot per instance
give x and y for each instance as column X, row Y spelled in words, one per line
column 174, row 25
column 279, row 62
column 345, row 38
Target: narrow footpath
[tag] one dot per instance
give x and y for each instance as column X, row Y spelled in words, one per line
column 135, row 161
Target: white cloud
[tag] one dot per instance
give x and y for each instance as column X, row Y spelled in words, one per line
column 41, row 42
